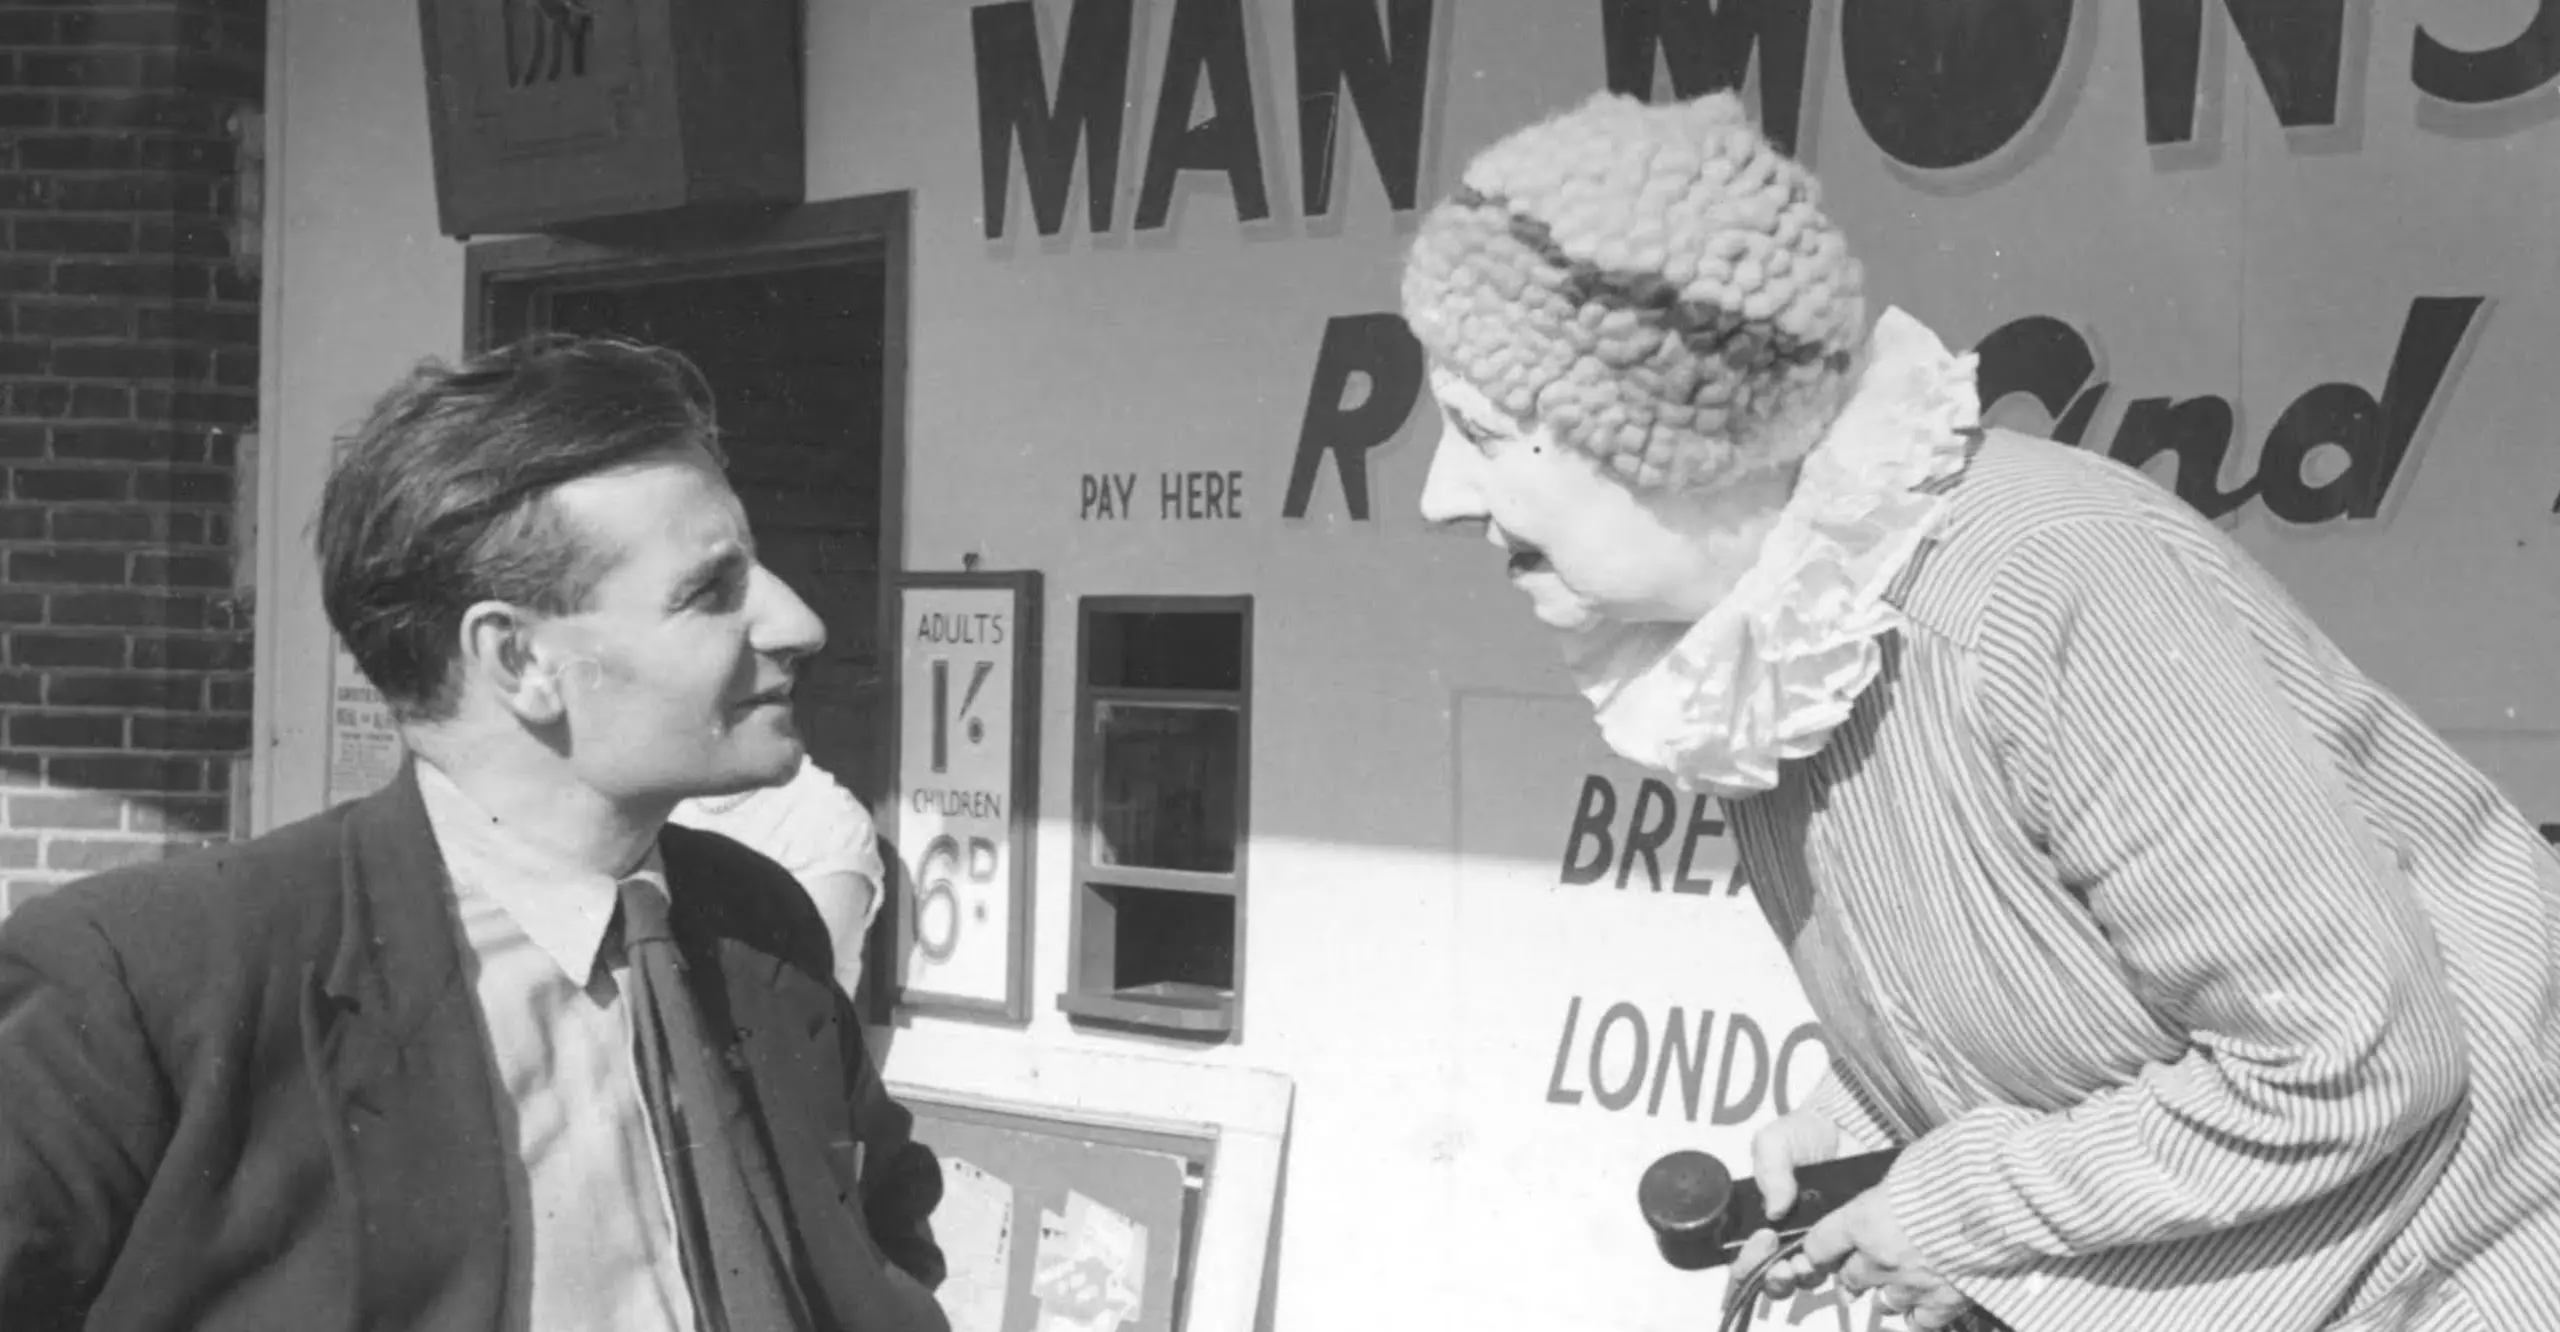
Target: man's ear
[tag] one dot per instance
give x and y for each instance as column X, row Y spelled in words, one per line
column 500, row 655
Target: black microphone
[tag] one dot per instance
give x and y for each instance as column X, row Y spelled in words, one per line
column 1701, row 1215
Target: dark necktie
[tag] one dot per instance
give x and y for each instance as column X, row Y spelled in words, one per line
column 729, row 1220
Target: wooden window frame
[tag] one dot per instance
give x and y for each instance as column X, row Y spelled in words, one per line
column 1089, row 997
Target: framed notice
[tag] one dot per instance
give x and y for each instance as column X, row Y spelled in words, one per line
column 1096, row 1189
column 965, row 799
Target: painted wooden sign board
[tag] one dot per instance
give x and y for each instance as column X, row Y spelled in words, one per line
column 964, row 808
column 549, row 113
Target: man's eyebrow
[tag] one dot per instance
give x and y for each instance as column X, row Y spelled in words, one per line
column 727, row 559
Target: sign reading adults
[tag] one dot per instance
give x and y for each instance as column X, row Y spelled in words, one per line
column 959, row 649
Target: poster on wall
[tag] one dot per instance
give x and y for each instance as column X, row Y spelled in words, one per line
column 364, row 746
column 964, row 808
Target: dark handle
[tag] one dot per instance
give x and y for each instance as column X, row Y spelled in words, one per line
column 1701, row 1215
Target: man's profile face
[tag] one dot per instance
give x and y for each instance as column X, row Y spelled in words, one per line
column 675, row 678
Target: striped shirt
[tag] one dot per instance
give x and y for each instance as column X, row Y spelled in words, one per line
column 2209, row 988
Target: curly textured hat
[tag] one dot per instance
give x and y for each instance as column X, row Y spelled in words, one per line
column 1655, row 284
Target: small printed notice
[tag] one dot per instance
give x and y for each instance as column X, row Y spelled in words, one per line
column 364, row 746
column 974, row 1225
column 1092, row 1266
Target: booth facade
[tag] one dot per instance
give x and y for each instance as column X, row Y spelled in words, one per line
column 1065, row 381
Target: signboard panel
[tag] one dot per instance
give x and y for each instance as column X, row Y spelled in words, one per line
column 967, row 781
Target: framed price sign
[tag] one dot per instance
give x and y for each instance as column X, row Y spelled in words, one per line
column 965, row 805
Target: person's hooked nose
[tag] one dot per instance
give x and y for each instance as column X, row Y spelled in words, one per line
column 1453, row 490
column 781, row 624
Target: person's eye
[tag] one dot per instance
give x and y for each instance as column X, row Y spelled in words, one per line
column 716, row 594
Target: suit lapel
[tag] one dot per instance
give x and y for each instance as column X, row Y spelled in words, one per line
column 757, row 999
column 393, row 1040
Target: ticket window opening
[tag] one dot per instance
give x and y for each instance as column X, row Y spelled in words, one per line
column 1163, row 712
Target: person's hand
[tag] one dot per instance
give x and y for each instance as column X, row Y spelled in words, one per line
column 1797, row 1138
column 1864, row 1245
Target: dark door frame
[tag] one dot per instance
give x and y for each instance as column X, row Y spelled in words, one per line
column 874, row 227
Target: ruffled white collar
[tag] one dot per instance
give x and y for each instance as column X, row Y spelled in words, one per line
column 1776, row 666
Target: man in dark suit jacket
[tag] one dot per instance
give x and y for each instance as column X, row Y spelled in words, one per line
column 351, row 1074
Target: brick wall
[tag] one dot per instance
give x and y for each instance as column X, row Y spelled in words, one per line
column 128, row 398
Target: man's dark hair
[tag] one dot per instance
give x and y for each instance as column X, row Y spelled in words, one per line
column 440, row 498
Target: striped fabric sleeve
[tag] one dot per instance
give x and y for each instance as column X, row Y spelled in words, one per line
column 2149, row 736
column 1861, row 1130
